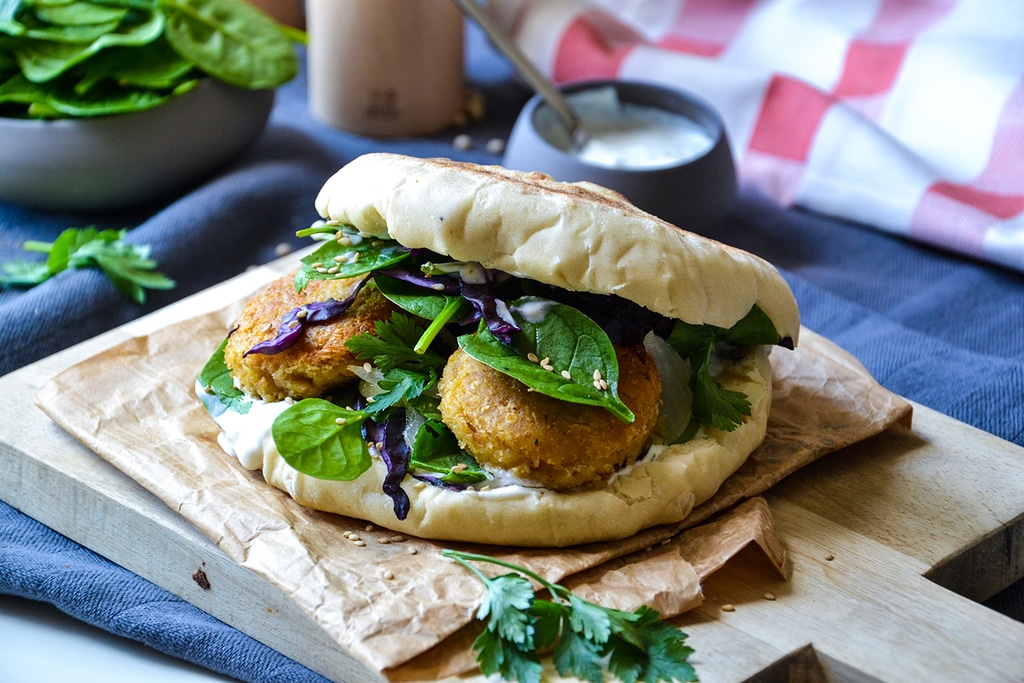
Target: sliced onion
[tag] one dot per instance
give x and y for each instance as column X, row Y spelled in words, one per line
column 676, row 395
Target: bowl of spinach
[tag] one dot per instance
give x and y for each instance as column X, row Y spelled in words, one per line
column 106, row 103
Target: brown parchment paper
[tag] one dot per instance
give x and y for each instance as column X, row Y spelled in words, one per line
column 395, row 602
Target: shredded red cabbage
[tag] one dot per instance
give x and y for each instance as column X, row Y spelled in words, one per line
column 395, row 453
column 295, row 321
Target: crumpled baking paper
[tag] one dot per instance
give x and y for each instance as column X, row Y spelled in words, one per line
column 393, row 603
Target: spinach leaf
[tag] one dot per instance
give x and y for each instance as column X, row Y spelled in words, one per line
column 575, row 360
column 421, row 302
column 322, row 440
column 216, row 377
column 336, row 261
column 232, row 41
column 435, row 449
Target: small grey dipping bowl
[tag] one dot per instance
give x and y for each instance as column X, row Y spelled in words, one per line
column 694, row 194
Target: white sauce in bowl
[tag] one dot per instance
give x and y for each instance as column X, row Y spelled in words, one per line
column 627, row 135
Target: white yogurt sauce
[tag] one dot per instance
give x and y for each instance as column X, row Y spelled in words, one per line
column 627, row 135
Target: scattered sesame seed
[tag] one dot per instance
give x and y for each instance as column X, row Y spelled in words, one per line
column 301, row 314
column 412, row 550
column 398, row 539
column 419, row 486
column 353, row 536
column 728, row 607
column 462, row 142
column 332, row 222
column 597, row 375
column 388, row 574
column 369, row 527
column 367, row 367
column 318, row 264
column 321, row 270
column 361, row 544
column 565, row 374
column 495, row 146
column 532, row 357
column 437, row 287
column 383, row 540
column 769, row 596
column 340, row 420
column 282, row 249
column 459, row 467
column 829, row 557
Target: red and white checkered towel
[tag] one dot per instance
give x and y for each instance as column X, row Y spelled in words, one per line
column 906, row 115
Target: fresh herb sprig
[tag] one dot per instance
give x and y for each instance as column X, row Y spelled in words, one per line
column 128, row 266
column 584, row 638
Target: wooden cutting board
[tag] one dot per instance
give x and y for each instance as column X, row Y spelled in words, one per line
column 890, row 544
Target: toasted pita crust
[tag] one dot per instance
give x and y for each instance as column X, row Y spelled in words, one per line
column 574, row 236
column 661, row 489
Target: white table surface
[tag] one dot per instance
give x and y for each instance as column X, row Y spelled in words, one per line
column 41, row 644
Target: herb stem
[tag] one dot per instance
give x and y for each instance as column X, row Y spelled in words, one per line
column 37, row 246
column 437, row 325
column 462, row 558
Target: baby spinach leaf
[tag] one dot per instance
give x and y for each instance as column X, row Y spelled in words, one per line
column 216, row 377
column 574, row 355
column 418, row 301
column 230, row 40
column 79, row 13
column 335, row 261
column 322, row 440
column 435, row 449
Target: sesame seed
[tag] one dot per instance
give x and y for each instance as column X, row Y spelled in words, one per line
column 412, row 550
column 597, row 375
column 597, row 384
column 340, row 420
column 332, row 222
column 769, row 596
column 318, row 264
column 347, row 535
column 369, row 527
column 353, row 536
column 462, row 142
column 302, row 314
column 532, row 357
column 321, row 270
column 459, row 467
column 361, row 544
column 282, row 249
column 339, row 258
column 546, row 360
column 437, row 287
column 397, row 539
column 383, row 541
column 367, row 367
column 728, row 607
column 829, row 557
column 565, row 374
column 495, row 146
column 388, row 574
column 419, row 486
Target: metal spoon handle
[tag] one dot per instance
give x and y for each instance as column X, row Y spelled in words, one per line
column 526, row 69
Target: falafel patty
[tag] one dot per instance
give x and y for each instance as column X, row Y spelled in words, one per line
column 557, row 444
column 319, row 361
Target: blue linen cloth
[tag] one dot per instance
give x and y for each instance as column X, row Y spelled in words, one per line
column 935, row 327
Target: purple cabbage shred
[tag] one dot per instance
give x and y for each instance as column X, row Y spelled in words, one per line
column 295, row 321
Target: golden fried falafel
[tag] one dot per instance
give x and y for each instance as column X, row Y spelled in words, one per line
column 557, row 444
column 319, row 361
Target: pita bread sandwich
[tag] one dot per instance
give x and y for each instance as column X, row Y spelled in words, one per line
column 484, row 355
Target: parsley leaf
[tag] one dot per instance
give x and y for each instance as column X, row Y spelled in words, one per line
column 394, row 344
column 128, row 266
column 587, row 638
column 713, row 404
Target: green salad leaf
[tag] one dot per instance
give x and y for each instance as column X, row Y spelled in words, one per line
column 215, row 377
column 352, row 256
column 323, row 440
column 86, row 58
column 436, row 450
column 560, row 353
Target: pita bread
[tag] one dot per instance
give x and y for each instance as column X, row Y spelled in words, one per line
column 575, row 236
column 662, row 488
column 578, row 237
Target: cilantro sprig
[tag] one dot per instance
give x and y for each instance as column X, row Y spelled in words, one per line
column 584, row 638
column 128, row 266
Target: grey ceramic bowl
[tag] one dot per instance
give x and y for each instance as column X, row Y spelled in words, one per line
column 116, row 161
column 694, row 193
